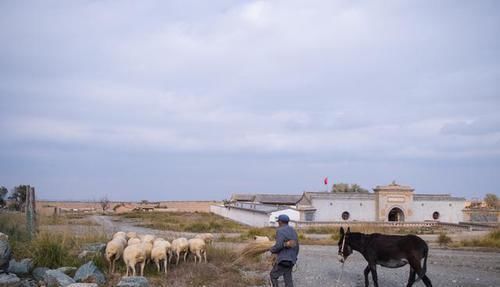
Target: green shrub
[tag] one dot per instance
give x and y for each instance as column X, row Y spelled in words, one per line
column 52, row 250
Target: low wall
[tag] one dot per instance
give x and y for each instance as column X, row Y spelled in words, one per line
column 248, row 217
column 430, row 224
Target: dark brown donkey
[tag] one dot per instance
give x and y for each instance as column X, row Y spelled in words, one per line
column 391, row 251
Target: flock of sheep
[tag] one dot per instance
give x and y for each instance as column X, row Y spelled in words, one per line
column 138, row 249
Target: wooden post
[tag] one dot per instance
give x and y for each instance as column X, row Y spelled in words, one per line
column 31, row 222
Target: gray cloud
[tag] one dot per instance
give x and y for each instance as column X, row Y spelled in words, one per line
column 332, row 83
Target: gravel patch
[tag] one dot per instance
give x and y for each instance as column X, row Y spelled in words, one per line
column 318, row 266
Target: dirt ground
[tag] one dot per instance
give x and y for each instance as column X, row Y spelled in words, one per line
column 318, row 265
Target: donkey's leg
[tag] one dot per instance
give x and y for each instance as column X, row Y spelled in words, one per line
column 415, row 265
column 411, row 280
column 427, row 281
column 373, row 269
column 367, row 271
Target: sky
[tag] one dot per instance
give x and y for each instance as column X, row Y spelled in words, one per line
column 174, row 100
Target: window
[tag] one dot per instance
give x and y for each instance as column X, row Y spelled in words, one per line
column 435, row 215
column 309, row 216
column 345, row 215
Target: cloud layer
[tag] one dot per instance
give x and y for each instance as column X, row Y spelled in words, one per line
column 273, row 89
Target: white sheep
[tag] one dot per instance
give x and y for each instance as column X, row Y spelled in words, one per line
column 158, row 239
column 148, row 238
column 133, row 241
column 160, row 252
column 147, row 246
column 261, row 239
column 179, row 246
column 198, row 247
column 120, row 234
column 208, row 237
column 133, row 255
column 114, row 250
column 132, row 234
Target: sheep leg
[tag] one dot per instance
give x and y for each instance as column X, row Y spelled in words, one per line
column 157, row 262
column 178, row 257
column 165, row 265
column 185, row 256
column 135, row 269
column 128, row 267
column 205, row 255
column 142, row 267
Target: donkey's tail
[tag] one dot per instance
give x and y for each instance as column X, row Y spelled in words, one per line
column 424, row 267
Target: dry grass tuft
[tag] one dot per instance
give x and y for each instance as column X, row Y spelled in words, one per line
column 253, row 249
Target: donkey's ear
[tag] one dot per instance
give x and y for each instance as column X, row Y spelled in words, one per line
column 342, row 231
column 348, row 230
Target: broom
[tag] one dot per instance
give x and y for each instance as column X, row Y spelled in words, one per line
column 253, row 249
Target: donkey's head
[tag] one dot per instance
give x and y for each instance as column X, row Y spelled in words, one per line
column 344, row 247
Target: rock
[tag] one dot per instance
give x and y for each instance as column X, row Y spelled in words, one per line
column 9, row 280
column 95, row 247
column 84, row 254
column 133, row 281
column 39, row 273
column 5, row 253
column 28, row 283
column 67, row 270
column 89, row 273
column 92, row 249
column 56, row 278
column 83, row 285
column 22, row 267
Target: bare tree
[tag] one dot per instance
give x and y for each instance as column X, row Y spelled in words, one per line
column 491, row 200
column 345, row 187
column 105, row 203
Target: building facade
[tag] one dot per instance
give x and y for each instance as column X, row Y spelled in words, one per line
column 389, row 203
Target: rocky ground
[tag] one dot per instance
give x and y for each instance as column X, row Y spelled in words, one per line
column 318, row 266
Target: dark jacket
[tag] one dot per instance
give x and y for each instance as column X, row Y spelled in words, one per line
column 285, row 233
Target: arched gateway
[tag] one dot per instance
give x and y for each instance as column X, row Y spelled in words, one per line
column 396, row 214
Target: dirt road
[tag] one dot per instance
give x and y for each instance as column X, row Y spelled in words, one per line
column 318, row 266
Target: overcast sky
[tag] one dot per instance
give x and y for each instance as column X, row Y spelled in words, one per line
column 168, row 100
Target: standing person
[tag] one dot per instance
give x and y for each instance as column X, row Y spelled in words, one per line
column 286, row 250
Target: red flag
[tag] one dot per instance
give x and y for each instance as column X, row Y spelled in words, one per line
column 326, row 180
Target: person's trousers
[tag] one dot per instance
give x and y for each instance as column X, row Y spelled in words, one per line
column 284, row 270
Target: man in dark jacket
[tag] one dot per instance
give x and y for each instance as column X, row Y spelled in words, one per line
column 286, row 250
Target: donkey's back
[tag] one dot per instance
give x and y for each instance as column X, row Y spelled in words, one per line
column 395, row 251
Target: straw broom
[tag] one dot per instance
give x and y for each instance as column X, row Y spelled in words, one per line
column 254, row 249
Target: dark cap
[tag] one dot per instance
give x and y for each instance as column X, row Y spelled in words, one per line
column 283, row 218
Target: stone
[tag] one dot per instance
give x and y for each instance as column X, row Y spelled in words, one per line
column 22, row 267
column 39, row 273
column 89, row 273
column 9, row 280
column 5, row 253
column 56, row 278
column 28, row 283
column 83, row 285
column 133, row 281
column 92, row 249
column 67, row 270
column 95, row 247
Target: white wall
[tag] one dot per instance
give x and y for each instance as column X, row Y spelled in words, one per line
column 292, row 213
column 331, row 209
column 248, row 217
column 423, row 210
